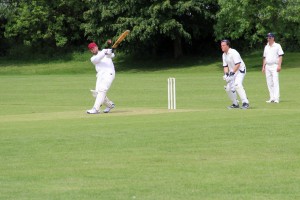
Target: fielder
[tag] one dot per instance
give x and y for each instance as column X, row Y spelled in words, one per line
column 272, row 60
column 234, row 74
column 105, row 75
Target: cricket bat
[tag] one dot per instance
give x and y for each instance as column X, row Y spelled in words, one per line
column 120, row 39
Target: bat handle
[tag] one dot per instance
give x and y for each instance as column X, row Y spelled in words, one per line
column 112, row 50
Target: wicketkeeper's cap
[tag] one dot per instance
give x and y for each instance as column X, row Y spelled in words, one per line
column 92, row 45
column 270, row 35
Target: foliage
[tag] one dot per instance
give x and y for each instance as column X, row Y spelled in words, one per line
column 46, row 23
column 289, row 24
column 251, row 20
column 150, row 22
column 158, row 27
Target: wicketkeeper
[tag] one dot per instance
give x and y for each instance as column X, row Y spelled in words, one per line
column 234, row 74
column 105, row 75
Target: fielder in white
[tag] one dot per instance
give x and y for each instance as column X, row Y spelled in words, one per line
column 105, row 75
column 272, row 60
column 234, row 74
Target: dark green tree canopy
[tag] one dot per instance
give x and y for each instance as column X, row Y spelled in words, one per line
column 157, row 26
column 251, row 20
column 152, row 23
column 54, row 23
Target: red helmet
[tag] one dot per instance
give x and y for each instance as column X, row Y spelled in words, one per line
column 92, row 45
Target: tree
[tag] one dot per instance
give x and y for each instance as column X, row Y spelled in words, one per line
column 5, row 11
column 251, row 20
column 152, row 23
column 41, row 23
column 289, row 27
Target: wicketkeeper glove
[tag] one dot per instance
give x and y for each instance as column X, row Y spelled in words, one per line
column 225, row 76
column 230, row 77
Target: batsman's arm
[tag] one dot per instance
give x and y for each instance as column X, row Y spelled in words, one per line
column 96, row 58
column 107, row 44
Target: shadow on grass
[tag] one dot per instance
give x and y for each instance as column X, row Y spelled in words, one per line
column 125, row 63
column 43, row 59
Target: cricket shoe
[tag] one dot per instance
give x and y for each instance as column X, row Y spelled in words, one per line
column 93, row 111
column 276, row 101
column 245, row 106
column 233, row 106
column 107, row 109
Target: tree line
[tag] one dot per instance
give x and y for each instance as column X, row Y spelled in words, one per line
column 157, row 27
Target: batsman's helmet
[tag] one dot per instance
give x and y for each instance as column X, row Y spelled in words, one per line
column 92, row 45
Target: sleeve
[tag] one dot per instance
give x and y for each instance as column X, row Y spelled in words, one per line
column 280, row 51
column 96, row 58
column 236, row 58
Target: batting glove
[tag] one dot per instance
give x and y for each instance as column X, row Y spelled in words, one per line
column 108, row 52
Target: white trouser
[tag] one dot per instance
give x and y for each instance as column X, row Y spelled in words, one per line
column 272, row 77
column 103, row 83
column 236, row 86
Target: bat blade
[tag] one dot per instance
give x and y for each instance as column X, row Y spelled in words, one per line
column 120, row 39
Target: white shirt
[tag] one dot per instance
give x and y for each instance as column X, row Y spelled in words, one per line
column 272, row 53
column 103, row 61
column 232, row 58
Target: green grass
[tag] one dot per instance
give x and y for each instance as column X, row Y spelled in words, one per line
column 51, row 149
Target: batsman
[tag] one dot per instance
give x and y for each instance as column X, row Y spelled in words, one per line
column 105, row 75
column 104, row 66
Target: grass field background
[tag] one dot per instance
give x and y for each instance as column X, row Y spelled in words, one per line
column 51, row 149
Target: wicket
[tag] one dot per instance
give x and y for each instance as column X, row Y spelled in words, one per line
column 171, row 93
